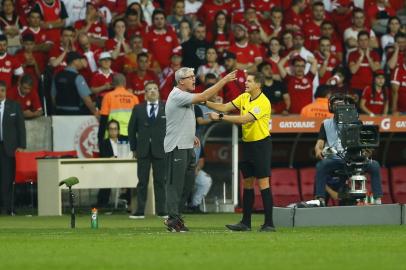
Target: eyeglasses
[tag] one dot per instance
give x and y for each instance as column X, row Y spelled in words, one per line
column 188, row 77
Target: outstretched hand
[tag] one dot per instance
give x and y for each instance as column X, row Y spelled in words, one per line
column 232, row 76
column 213, row 116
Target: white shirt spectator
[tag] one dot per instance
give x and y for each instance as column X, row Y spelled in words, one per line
column 191, row 7
column 204, row 69
column 76, row 10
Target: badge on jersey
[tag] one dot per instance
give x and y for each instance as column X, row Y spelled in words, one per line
column 256, row 110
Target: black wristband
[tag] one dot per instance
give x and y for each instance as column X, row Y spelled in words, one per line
column 221, row 115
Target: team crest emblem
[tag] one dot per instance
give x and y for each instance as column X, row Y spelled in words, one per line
column 168, row 39
column 241, row 80
column 256, row 110
column 97, row 29
column 28, row 103
column 7, row 63
column 305, row 81
column 251, row 52
column 333, row 61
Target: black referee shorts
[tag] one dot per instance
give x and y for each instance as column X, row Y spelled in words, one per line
column 256, row 161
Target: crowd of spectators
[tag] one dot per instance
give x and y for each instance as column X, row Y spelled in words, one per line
column 299, row 45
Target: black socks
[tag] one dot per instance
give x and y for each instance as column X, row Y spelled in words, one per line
column 248, row 202
column 268, row 206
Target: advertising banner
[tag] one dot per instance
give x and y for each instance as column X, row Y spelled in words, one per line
column 75, row 133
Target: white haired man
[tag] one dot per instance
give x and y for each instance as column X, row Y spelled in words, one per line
column 180, row 139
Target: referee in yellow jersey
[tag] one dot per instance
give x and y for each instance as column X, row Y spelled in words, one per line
column 255, row 115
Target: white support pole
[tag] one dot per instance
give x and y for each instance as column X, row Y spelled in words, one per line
column 234, row 160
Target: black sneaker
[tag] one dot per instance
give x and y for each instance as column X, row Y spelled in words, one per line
column 267, row 228
column 175, row 224
column 239, row 227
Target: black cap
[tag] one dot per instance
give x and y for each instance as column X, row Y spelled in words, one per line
column 3, row 37
column 72, row 56
column 228, row 55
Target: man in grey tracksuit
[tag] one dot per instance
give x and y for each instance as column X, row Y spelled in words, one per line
column 180, row 140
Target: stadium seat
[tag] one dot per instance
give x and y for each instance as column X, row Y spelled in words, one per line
column 285, row 186
column 26, row 166
column 258, row 205
column 26, row 170
column 387, row 197
column 398, row 180
column 306, row 179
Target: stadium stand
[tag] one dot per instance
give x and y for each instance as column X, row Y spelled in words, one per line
column 398, row 181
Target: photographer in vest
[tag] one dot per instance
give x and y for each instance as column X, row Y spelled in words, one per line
column 70, row 92
column 327, row 148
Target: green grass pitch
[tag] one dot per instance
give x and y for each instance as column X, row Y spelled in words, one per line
column 120, row 243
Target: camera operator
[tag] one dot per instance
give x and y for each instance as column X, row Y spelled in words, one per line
column 330, row 160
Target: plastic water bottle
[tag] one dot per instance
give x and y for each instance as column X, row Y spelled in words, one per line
column 217, row 204
column 372, row 199
column 94, row 220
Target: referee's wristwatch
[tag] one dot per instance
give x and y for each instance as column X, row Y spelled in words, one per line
column 221, row 115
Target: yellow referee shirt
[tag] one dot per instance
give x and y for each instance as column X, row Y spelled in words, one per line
column 260, row 108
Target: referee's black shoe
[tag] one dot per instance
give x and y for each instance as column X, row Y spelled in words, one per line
column 239, row 227
column 267, row 228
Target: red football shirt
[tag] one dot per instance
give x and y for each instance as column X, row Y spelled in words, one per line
column 400, row 58
column 376, row 103
column 118, row 63
column 208, row 11
column 40, row 35
column 333, row 62
column 399, row 78
column 39, row 58
column 221, row 42
column 291, row 17
column 373, row 11
column 312, row 35
column 246, row 54
column 137, row 84
column 136, row 31
column 29, row 102
column 52, row 13
column 363, row 77
column 9, row 66
column 264, row 5
column 235, row 88
column 336, row 45
column 300, row 91
column 162, row 45
column 55, row 52
column 96, row 30
column 100, row 79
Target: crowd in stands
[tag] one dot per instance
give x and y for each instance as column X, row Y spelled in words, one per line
column 301, row 46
